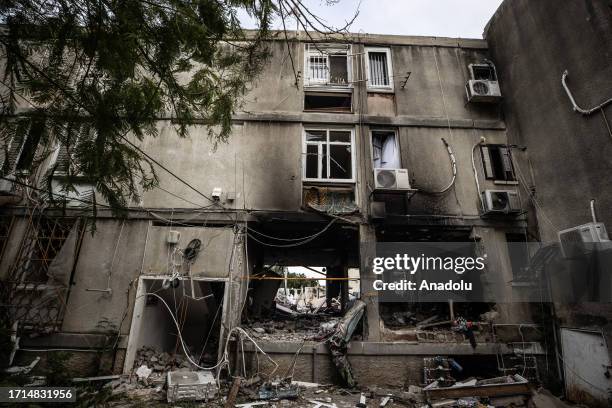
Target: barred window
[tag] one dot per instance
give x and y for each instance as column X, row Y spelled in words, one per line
column 327, row 65
column 380, row 74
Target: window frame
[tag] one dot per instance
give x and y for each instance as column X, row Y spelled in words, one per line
column 327, row 130
column 491, row 67
column 379, row 88
column 310, row 50
column 492, row 177
column 397, row 145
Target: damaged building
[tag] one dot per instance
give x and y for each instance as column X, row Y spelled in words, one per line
column 386, row 139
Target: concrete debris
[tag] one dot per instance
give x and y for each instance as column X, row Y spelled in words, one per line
column 36, row 381
column 311, row 327
column 384, row 401
column 160, row 362
column 96, row 379
column 319, row 404
column 492, row 387
column 304, row 384
column 22, row 370
column 143, row 372
column 279, row 391
column 338, row 342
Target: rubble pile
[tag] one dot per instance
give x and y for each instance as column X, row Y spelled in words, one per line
column 159, row 361
column 308, row 327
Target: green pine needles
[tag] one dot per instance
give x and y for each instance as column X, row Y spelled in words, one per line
column 87, row 80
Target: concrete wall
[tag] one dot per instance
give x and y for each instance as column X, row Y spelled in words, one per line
column 568, row 155
column 87, row 310
column 264, row 153
column 211, row 262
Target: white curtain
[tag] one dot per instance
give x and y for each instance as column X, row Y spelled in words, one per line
column 386, row 154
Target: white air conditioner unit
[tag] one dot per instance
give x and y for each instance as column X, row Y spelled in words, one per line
column 191, row 386
column 480, row 90
column 391, row 180
column 582, row 239
column 501, row 202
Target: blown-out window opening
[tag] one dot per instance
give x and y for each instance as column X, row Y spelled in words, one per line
column 329, row 155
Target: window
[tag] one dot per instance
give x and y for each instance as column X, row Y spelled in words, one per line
column 19, row 153
column 385, row 150
column 329, row 155
column 379, row 70
column 483, row 72
column 42, row 244
column 327, row 65
column 328, row 102
column 497, row 162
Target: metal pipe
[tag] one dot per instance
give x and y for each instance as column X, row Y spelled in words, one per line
column 573, row 101
column 593, row 212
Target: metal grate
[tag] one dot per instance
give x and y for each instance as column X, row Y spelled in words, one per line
column 318, row 68
column 28, row 296
column 44, row 241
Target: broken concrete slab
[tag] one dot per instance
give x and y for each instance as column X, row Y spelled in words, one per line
column 143, row 372
column 500, row 386
column 338, row 342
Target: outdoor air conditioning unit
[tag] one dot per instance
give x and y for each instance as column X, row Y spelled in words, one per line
column 501, row 202
column 191, row 386
column 582, row 239
column 483, row 91
column 483, row 85
column 391, row 180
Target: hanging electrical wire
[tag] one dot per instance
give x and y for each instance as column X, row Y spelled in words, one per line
column 288, row 239
column 303, row 242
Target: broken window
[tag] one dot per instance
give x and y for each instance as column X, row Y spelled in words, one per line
column 484, row 72
column 328, row 155
column 497, row 162
column 385, row 150
column 327, row 65
column 328, row 102
column 379, row 69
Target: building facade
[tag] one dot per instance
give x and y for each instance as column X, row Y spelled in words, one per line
column 557, row 105
column 369, row 139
